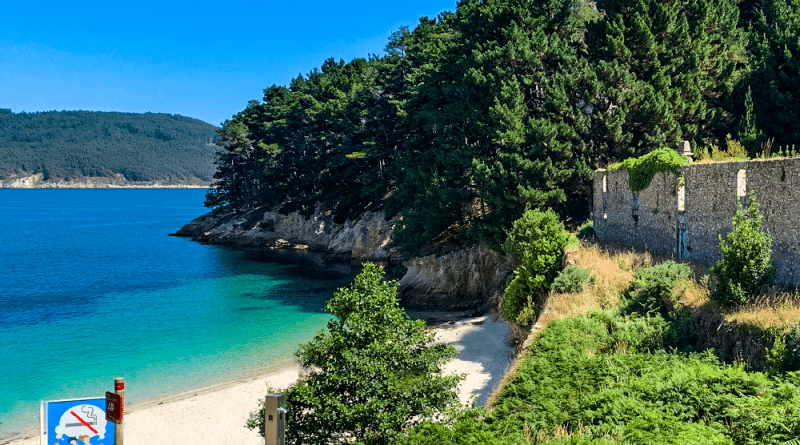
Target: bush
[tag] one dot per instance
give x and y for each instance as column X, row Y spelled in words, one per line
column 735, row 151
column 572, row 279
column 536, row 243
column 654, row 285
column 370, row 374
column 746, row 264
column 641, row 170
column 793, row 348
column 586, row 230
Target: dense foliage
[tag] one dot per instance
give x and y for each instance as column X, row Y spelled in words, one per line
column 572, row 279
column 75, row 144
column 775, row 81
column 668, row 67
column 327, row 137
column 535, row 244
column 372, row 373
column 505, row 104
column 641, row 170
column 746, row 264
column 611, row 378
column 653, row 286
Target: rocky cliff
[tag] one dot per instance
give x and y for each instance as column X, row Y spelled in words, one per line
column 463, row 278
column 368, row 238
column 459, row 278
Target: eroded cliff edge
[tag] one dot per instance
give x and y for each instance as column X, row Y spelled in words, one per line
column 455, row 278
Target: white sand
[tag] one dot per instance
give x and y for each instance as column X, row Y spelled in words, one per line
column 218, row 414
column 483, row 355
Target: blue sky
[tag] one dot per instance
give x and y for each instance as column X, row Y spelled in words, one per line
column 196, row 58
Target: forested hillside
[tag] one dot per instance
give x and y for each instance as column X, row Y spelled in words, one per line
column 72, row 145
column 503, row 104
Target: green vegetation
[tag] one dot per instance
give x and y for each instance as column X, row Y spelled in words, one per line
column 641, row 170
column 653, row 286
column 612, row 378
column 746, row 264
column 572, row 279
column 774, row 82
column 501, row 105
column 585, row 230
column 734, row 151
column 535, row 244
column 71, row 145
column 372, row 373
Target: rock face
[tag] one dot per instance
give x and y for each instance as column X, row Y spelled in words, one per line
column 464, row 278
column 368, row 238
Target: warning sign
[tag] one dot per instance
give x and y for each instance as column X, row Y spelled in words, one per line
column 76, row 422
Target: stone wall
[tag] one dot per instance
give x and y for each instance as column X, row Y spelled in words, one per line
column 686, row 222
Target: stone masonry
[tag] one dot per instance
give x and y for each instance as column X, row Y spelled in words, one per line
column 686, row 222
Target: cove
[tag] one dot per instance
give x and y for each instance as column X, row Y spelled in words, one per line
column 92, row 288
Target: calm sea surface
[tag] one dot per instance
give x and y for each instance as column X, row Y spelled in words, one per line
column 92, row 288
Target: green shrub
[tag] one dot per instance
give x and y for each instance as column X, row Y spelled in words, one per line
column 793, row 348
column 746, row 264
column 656, row 428
column 735, row 151
column 586, row 230
column 777, row 356
column 536, row 243
column 370, row 372
column 572, row 279
column 654, row 285
column 641, row 170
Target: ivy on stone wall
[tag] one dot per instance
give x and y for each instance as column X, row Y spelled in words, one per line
column 641, row 170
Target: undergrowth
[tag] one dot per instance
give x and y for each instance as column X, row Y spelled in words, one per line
column 630, row 374
column 607, row 378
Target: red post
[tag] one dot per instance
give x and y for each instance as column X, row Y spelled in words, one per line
column 119, row 388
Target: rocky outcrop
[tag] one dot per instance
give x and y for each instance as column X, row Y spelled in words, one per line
column 463, row 278
column 28, row 181
column 368, row 238
column 458, row 278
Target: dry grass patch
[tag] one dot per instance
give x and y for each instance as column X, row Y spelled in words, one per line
column 613, row 271
column 773, row 309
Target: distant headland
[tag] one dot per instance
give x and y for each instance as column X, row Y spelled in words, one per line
column 88, row 149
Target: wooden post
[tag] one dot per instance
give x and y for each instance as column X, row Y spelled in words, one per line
column 119, row 388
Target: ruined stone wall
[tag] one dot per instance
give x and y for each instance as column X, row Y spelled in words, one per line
column 686, row 222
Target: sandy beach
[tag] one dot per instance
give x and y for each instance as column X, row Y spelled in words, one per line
column 218, row 414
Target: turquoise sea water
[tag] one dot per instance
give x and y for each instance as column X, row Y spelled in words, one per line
column 92, row 288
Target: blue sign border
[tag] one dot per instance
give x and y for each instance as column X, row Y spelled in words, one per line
column 52, row 410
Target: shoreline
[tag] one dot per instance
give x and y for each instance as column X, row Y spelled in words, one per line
column 110, row 186
column 219, row 412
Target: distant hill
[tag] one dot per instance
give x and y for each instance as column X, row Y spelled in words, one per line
column 87, row 148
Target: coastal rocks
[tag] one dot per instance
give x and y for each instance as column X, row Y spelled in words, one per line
column 22, row 181
column 464, row 278
column 457, row 278
column 368, row 238
column 116, row 180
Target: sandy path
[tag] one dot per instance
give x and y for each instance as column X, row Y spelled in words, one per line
column 218, row 414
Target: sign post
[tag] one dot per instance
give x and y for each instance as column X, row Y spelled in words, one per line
column 115, row 407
